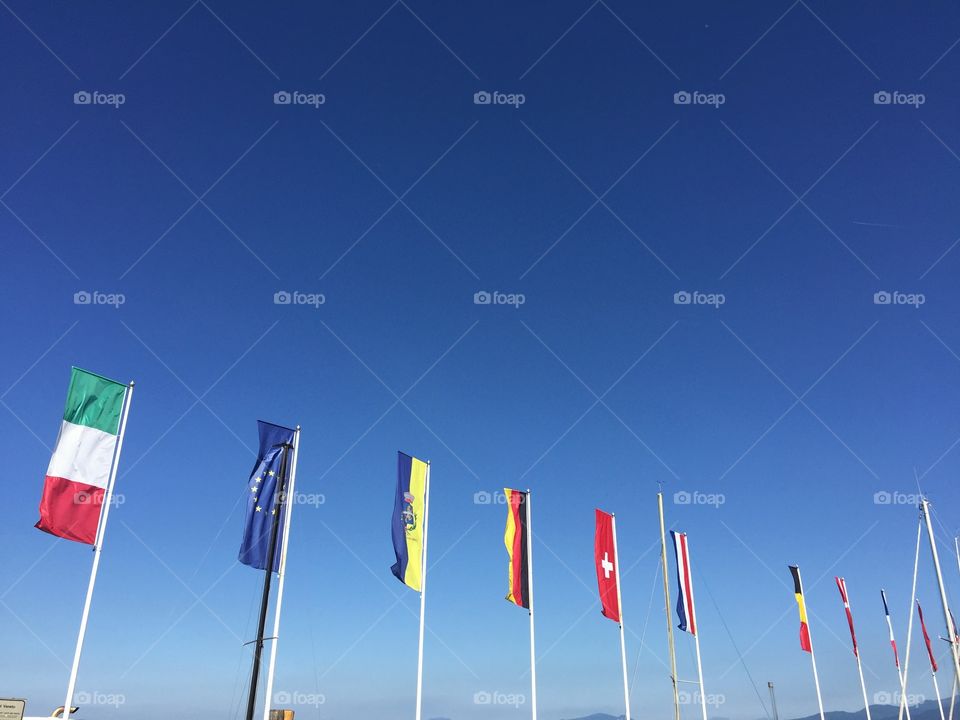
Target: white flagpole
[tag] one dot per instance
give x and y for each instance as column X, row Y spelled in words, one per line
column 813, row 657
column 696, row 637
column 423, row 589
column 904, row 706
column 903, row 686
column 289, row 501
column 953, row 697
column 533, row 652
column 623, row 644
column 936, row 689
column 97, row 547
column 951, row 631
column 863, row 684
column 668, row 609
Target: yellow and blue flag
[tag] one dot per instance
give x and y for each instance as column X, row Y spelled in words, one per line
column 262, row 498
column 408, row 519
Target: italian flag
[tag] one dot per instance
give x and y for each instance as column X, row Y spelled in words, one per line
column 79, row 470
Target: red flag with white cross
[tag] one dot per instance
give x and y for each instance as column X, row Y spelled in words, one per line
column 604, row 551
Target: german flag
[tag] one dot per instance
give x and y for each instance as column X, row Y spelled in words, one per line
column 802, row 605
column 515, row 538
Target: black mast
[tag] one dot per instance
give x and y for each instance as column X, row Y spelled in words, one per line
column 278, row 501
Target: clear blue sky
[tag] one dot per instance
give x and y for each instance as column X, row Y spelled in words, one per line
column 398, row 199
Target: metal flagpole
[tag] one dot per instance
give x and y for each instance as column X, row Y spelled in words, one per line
column 904, row 706
column 97, row 548
column 423, row 589
column 696, row 636
column 936, row 689
column 903, row 687
column 533, row 652
column 282, row 574
column 666, row 595
column 278, row 500
column 623, row 644
column 925, row 507
column 953, row 697
column 863, row 684
column 773, row 702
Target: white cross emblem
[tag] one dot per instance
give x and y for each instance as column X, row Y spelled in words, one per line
column 606, row 565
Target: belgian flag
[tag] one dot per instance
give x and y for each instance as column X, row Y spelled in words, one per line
column 802, row 606
column 515, row 538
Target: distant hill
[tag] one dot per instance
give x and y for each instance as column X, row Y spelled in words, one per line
column 924, row 711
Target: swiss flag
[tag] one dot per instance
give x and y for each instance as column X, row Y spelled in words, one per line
column 605, row 557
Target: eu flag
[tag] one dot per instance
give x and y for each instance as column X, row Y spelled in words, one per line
column 258, row 521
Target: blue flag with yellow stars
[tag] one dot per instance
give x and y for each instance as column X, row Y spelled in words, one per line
column 261, row 498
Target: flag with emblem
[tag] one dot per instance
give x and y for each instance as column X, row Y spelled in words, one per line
column 408, row 521
column 605, row 557
column 515, row 538
column 262, row 499
column 802, row 607
column 688, row 619
column 79, row 470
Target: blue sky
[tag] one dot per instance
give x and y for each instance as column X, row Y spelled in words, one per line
column 785, row 189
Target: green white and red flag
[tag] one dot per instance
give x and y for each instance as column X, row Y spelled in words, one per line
column 79, row 471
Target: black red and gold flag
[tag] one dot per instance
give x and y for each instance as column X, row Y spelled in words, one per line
column 802, row 606
column 515, row 538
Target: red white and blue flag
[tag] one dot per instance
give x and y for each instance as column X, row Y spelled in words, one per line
column 842, row 586
column 685, row 610
column 893, row 643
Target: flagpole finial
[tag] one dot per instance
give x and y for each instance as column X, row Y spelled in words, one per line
column 130, row 384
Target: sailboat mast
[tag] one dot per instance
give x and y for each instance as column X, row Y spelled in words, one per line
column 666, row 598
column 267, row 578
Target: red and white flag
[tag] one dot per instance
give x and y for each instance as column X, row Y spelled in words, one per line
column 842, row 586
column 893, row 642
column 605, row 555
column 926, row 638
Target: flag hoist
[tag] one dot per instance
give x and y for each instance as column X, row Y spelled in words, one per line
column 685, row 608
column 842, row 587
column 518, row 538
column 78, row 487
column 409, row 524
column 607, row 561
column 266, row 530
column 806, row 641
